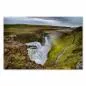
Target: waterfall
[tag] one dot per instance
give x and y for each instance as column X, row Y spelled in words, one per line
column 38, row 52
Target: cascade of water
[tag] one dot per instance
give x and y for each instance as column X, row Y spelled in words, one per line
column 40, row 52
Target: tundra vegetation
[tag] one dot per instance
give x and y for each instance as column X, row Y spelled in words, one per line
column 65, row 53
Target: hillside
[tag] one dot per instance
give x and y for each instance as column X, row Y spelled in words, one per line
column 66, row 52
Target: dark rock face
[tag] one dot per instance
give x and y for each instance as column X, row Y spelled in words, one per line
column 16, row 57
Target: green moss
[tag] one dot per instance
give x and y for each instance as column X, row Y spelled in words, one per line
column 66, row 52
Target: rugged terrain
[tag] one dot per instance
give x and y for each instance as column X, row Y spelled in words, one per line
column 66, row 52
column 16, row 57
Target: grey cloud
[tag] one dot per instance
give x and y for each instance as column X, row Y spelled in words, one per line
column 55, row 21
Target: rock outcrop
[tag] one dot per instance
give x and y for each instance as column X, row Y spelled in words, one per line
column 16, row 56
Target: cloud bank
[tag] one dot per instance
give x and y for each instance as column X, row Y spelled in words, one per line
column 54, row 21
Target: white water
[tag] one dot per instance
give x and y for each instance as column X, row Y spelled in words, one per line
column 39, row 54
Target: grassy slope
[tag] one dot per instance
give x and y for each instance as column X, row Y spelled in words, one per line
column 66, row 52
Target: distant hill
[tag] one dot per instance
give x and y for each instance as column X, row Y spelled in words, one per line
column 78, row 28
column 26, row 25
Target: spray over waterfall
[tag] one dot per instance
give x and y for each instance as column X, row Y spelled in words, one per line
column 38, row 52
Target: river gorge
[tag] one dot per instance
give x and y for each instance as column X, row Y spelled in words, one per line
column 38, row 52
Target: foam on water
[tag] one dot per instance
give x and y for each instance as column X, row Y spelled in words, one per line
column 39, row 54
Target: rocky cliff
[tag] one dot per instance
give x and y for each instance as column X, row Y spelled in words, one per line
column 16, row 57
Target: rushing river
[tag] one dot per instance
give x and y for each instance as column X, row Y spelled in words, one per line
column 38, row 52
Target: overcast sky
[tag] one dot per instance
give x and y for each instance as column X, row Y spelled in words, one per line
column 54, row 21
